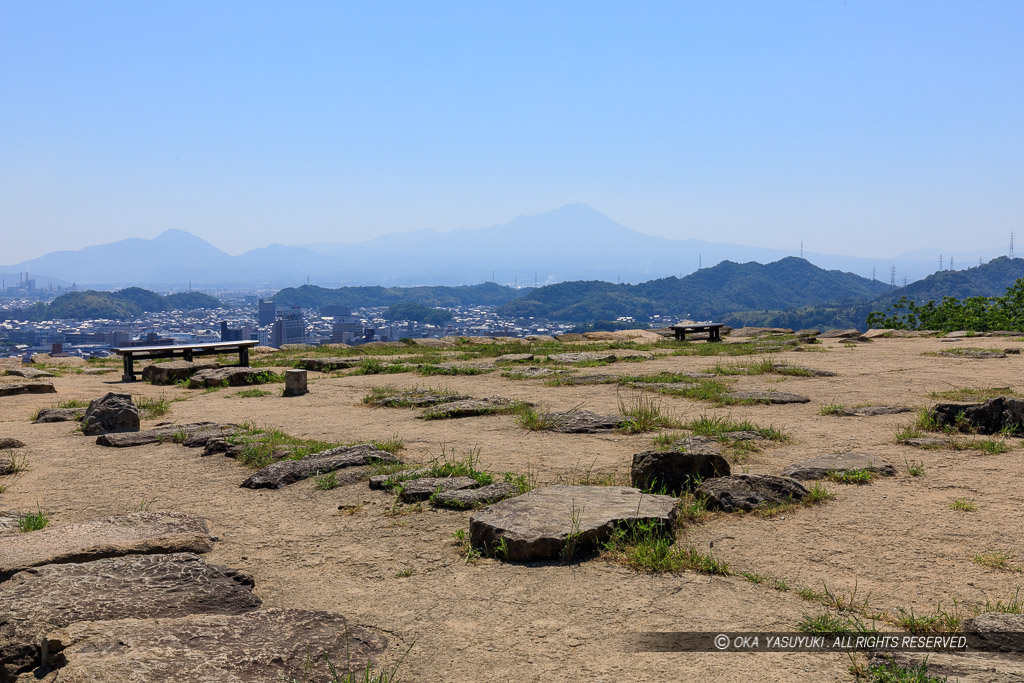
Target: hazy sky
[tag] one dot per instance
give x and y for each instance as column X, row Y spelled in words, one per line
column 866, row 128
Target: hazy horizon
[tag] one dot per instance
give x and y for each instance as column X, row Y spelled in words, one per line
column 871, row 129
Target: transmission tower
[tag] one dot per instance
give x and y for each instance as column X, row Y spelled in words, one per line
column 892, row 277
column 940, row 261
column 951, row 263
column 872, row 272
column 904, row 280
column 801, row 249
column 1011, row 244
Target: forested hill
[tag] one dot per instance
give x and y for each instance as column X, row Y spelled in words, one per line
column 311, row 296
column 121, row 305
column 989, row 279
column 708, row 293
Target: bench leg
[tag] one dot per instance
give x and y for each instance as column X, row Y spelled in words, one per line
column 129, row 369
column 243, row 356
column 715, row 336
column 187, row 353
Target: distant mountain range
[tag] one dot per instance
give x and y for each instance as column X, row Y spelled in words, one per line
column 575, row 242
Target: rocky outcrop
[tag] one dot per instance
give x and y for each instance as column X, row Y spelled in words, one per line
column 111, row 414
column 285, row 472
column 991, row 417
column 583, row 422
column 137, row 533
column 232, row 377
column 839, row 334
column 838, row 463
column 554, row 521
column 475, row 497
column 266, row 645
column 37, row 601
column 677, row 470
column 15, row 388
column 174, row 371
column 422, row 488
column 750, row 491
column 193, row 434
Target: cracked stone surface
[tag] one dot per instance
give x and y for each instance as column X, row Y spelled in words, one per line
column 424, row 487
column 749, row 491
column 774, row 397
column 284, row 472
column 821, row 466
column 593, row 356
column 583, row 422
column 468, row 498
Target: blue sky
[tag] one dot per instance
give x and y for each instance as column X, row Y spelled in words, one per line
column 865, row 128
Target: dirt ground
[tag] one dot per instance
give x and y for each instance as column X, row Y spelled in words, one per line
column 895, row 543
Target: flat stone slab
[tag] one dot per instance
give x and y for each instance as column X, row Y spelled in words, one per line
column 581, row 380
column 467, row 408
column 202, row 430
column 990, row 417
column 998, row 630
column 973, row 354
column 584, row 422
column 285, row 472
column 823, row 465
column 471, row 498
column 873, row 411
column 773, row 397
column 27, row 388
column 749, row 491
column 137, row 533
column 9, row 521
column 677, row 470
column 266, row 645
column 175, row 371
column 537, row 524
column 814, row 372
column 328, row 364
column 591, row 356
column 535, row 371
column 39, row 600
column 7, row 443
column 423, row 488
column 514, row 358
column 381, row 482
column 29, row 373
column 743, row 435
column 839, row 334
column 418, row 398
column 926, row 442
column 235, row 377
column 59, row 415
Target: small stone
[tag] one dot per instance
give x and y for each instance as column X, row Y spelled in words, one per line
column 473, row 497
column 677, row 470
column 59, row 415
column 421, row 489
column 7, row 442
column 749, row 491
column 284, row 472
column 295, row 383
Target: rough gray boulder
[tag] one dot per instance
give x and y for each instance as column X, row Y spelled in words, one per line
column 997, row 630
column 174, row 371
column 39, row 600
column 417, row 398
column 112, row 413
column 474, row 497
column 7, row 442
column 328, row 364
column 232, row 376
column 677, row 470
column 424, row 487
column 284, row 472
column 59, row 415
column 539, row 525
column 872, row 411
column 590, row 356
column 15, row 388
column 137, row 533
column 583, row 422
column 774, row 397
column 29, row 373
column 749, row 491
column 200, row 431
column 266, row 645
column 467, row 408
column 990, row 417
column 823, row 465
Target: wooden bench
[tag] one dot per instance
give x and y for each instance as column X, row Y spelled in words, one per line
column 714, row 331
column 129, row 354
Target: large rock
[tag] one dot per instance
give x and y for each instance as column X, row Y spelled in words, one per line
column 7, row 442
column 584, row 422
column 175, row 371
column 15, row 388
column 29, row 373
column 193, row 434
column 424, row 487
column 266, row 645
column 838, row 463
column 589, row 356
column 990, row 417
column 677, row 470
column 59, row 415
column 232, row 377
column 474, row 497
column 329, row 363
column 111, row 414
column 749, row 491
column 538, row 525
column 872, row 411
column 774, row 397
column 468, row 408
column 137, row 533
column 840, row 334
column 997, row 630
column 285, row 472
column 37, row 601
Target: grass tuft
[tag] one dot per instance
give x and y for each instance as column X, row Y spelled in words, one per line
column 33, row 521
